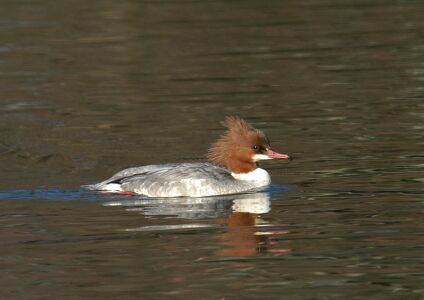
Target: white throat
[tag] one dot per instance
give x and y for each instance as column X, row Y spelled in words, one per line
column 258, row 157
column 257, row 175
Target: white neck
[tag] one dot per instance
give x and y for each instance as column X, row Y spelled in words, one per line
column 259, row 175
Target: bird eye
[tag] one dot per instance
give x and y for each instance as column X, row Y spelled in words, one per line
column 255, row 147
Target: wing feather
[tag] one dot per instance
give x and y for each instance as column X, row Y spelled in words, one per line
column 187, row 179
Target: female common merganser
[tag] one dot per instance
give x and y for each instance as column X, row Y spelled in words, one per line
column 232, row 169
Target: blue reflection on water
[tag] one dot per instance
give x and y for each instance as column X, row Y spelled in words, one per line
column 56, row 194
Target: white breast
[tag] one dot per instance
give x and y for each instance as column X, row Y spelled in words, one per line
column 258, row 176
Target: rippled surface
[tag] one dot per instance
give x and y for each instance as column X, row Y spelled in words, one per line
column 91, row 87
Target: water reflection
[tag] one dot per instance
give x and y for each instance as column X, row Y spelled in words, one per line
column 198, row 208
column 241, row 230
column 238, row 222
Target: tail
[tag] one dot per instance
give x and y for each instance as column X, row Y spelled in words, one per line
column 97, row 186
column 103, row 186
column 91, row 187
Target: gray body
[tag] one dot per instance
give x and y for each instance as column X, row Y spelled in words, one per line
column 182, row 180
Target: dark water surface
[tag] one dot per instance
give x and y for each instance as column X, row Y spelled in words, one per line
column 90, row 87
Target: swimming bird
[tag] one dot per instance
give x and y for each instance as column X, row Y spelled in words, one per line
column 232, row 169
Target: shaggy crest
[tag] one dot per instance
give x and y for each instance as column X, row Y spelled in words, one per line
column 230, row 149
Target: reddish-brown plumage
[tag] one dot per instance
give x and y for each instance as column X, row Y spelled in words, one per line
column 234, row 149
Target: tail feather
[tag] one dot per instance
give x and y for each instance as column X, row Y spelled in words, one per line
column 110, row 187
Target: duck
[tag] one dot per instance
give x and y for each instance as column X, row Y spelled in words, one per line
column 232, row 168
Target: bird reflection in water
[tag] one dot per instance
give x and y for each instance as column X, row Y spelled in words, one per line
column 245, row 232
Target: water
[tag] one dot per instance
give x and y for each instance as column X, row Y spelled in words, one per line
column 91, row 87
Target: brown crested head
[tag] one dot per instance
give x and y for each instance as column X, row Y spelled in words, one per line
column 237, row 147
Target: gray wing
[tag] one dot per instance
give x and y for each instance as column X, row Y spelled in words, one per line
column 179, row 180
column 172, row 180
column 121, row 175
